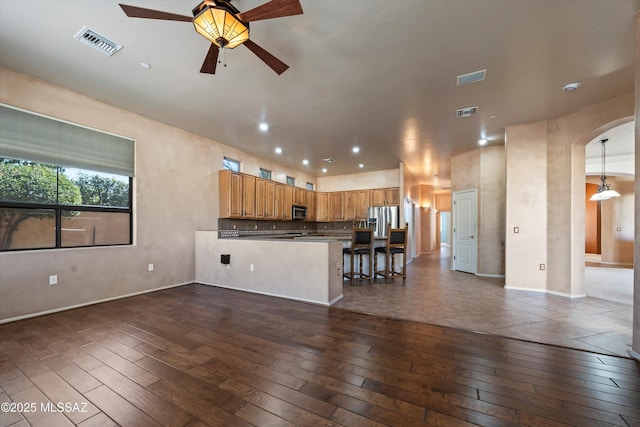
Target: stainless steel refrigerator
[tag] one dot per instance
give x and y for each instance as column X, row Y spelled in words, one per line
column 381, row 216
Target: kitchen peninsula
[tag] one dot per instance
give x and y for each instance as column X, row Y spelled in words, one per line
column 263, row 246
column 302, row 269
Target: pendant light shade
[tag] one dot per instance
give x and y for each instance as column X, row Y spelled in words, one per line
column 220, row 27
column 604, row 192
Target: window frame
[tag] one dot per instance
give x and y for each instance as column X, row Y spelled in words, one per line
column 291, row 180
column 266, row 174
column 58, row 208
column 310, row 186
column 226, row 160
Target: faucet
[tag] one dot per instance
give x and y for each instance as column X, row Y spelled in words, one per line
column 363, row 223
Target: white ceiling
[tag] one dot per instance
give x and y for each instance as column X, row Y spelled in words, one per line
column 380, row 74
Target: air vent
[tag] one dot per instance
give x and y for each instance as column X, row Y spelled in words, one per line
column 328, row 160
column 476, row 76
column 466, row 112
column 96, row 41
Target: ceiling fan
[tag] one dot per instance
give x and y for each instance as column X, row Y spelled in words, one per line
column 225, row 26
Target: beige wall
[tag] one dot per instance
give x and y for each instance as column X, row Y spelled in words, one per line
column 554, row 149
column 526, row 206
column 484, row 170
column 360, row 181
column 491, row 219
column 176, row 192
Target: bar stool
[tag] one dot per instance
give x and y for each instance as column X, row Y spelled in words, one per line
column 361, row 245
column 396, row 245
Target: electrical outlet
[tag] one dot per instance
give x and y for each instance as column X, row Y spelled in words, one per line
column 151, row 266
column 53, row 280
column 543, row 267
column 516, row 230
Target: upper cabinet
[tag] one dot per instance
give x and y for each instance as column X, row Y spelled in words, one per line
column 336, row 206
column 237, row 195
column 356, row 204
column 265, row 199
column 385, row 196
column 250, row 197
column 322, row 207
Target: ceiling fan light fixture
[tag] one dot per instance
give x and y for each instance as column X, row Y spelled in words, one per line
column 221, row 27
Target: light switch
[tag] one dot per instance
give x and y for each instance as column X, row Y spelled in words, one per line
column 516, row 230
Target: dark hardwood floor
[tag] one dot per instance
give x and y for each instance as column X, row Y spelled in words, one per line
column 198, row 355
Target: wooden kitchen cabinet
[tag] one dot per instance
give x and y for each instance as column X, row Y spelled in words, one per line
column 310, row 203
column 363, row 202
column 299, row 196
column 248, row 196
column 356, row 204
column 237, row 195
column 287, row 202
column 278, row 200
column 385, row 196
column 322, row 207
column 336, row 206
column 265, row 199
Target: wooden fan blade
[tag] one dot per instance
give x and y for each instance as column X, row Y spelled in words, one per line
column 272, row 9
column 140, row 12
column 273, row 62
column 210, row 61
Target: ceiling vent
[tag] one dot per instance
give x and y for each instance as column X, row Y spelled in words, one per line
column 96, row 41
column 476, row 76
column 329, row 160
column 466, row 112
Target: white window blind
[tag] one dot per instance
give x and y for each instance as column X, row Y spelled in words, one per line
column 28, row 136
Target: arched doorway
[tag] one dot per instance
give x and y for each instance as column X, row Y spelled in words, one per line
column 609, row 224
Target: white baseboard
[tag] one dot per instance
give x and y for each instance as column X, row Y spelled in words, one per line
column 545, row 291
column 500, row 276
column 84, row 304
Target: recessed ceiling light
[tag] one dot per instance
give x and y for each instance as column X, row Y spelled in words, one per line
column 278, row 150
column 263, row 126
column 305, row 162
column 361, row 165
column 356, row 149
column 145, row 65
column 482, row 141
column 324, row 170
column 571, row 86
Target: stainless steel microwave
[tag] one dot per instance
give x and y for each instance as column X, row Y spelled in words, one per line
column 298, row 212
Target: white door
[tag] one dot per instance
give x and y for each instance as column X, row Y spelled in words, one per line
column 465, row 231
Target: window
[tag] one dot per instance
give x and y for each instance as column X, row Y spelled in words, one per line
column 50, row 206
column 62, row 185
column 232, row 165
column 291, row 180
column 265, row 174
column 310, row 186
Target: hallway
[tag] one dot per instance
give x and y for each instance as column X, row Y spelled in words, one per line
column 434, row 294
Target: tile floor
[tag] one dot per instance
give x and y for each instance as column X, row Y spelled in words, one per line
column 434, row 294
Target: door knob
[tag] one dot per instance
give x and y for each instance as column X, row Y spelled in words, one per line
column 471, row 237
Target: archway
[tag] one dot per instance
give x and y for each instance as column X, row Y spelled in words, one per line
column 610, row 223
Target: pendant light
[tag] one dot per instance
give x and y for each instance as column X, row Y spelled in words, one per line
column 604, row 192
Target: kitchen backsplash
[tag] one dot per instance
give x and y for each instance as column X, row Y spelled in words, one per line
column 247, row 227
